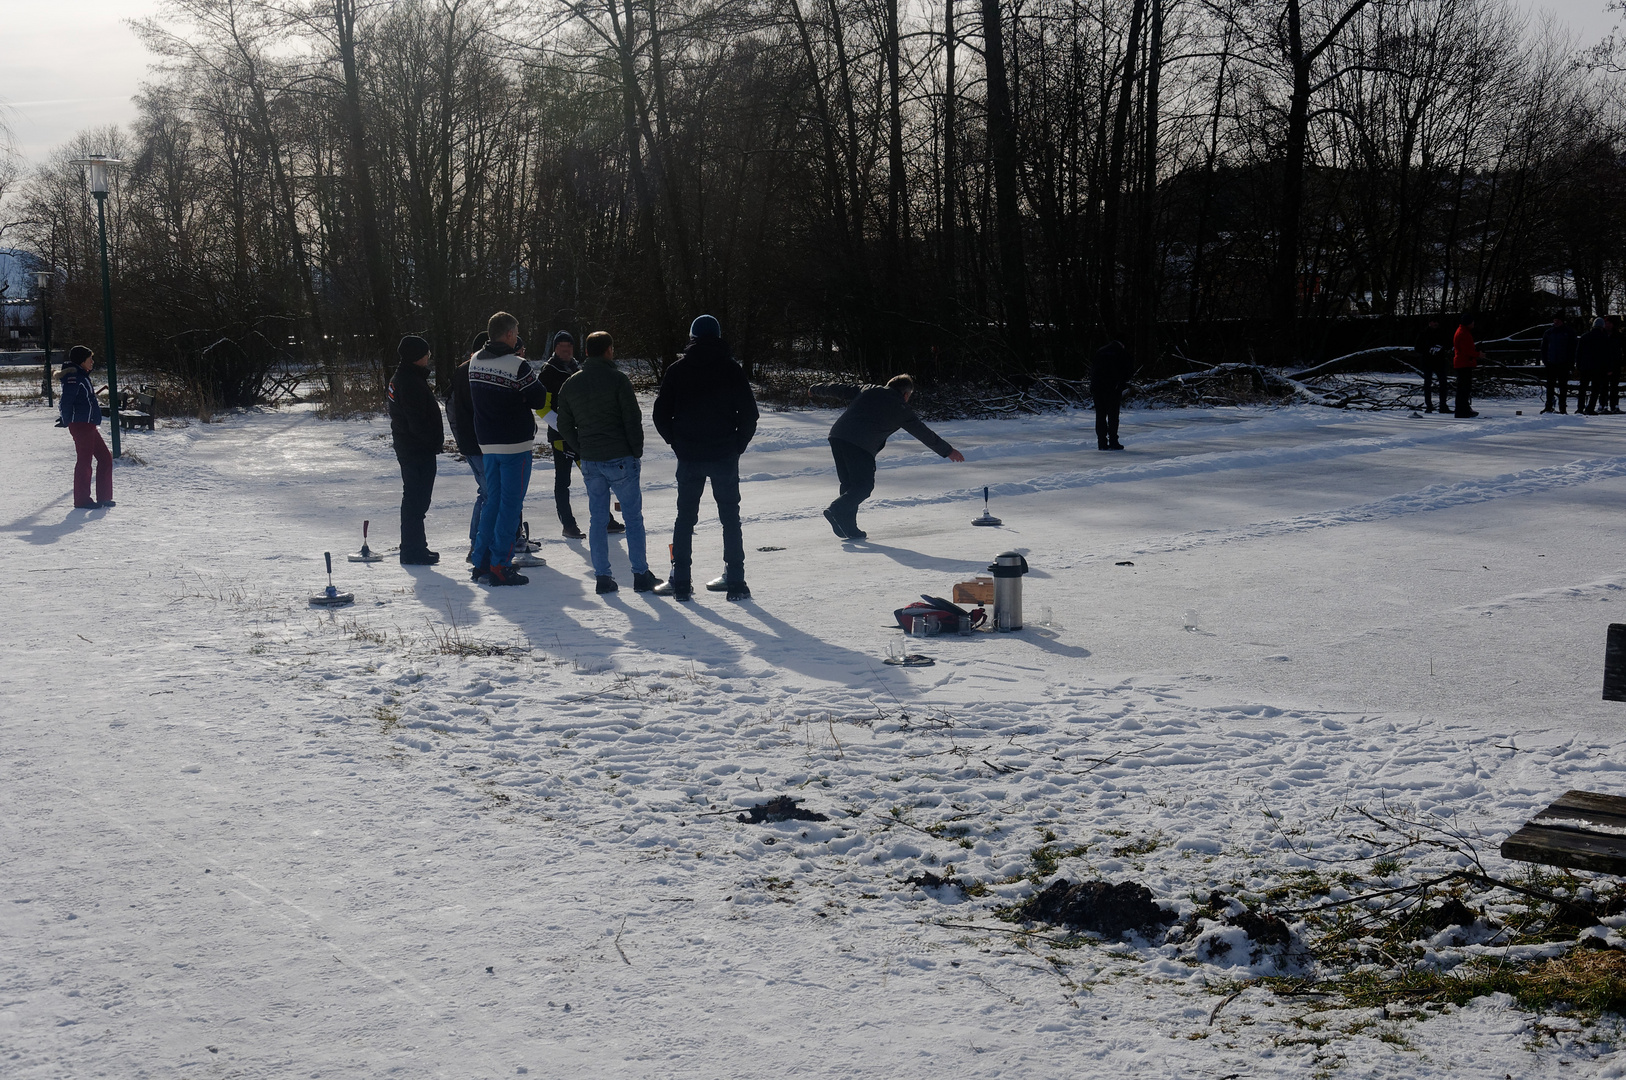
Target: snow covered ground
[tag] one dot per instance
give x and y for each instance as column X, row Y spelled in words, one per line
column 239, row 837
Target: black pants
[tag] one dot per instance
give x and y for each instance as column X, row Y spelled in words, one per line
column 725, row 488
column 561, row 487
column 1430, row 377
column 417, row 487
column 1589, row 386
column 1107, row 404
column 1558, row 386
column 1611, row 388
column 855, row 468
column 1465, row 391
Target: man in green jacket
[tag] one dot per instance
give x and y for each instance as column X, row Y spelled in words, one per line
column 599, row 418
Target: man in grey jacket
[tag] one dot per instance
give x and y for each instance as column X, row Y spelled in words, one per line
column 874, row 415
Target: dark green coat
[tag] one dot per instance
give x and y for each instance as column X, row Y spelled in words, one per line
column 598, row 413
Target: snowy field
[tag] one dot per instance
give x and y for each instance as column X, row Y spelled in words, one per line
column 241, row 838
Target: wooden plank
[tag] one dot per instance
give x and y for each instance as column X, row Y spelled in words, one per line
column 1607, row 807
column 1567, row 847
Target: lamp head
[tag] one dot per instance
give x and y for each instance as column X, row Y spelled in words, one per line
column 98, row 164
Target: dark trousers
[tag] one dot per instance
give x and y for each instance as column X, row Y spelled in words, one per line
column 1558, row 386
column 1611, row 389
column 1589, row 385
column 561, row 488
column 1465, row 391
column 725, row 488
column 417, row 487
column 87, row 440
column 1433, row 376
column 855, row 468
column 1106, row 417
column 477, row 465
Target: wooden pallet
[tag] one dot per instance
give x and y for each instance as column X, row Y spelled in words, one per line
column 1583, row 830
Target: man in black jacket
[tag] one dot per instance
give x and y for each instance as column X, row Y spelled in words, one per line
column 1595, row 356
column 708, row 414
column 860, row 433
column 418, row 434
column 1557, row 357
column 1110, row 372
column 561, row 365
column 1432, row 355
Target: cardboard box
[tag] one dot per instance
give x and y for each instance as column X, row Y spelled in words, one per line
column 979, row 590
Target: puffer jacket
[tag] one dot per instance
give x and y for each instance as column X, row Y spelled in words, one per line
column 78, row 404
column 1465, row 354
column 599, row 417
column 705, row 409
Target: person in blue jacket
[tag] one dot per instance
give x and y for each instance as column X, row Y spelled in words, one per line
column 504, row 393
column 81, row 414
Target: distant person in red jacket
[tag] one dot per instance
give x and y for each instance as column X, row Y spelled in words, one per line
column 1465, row 357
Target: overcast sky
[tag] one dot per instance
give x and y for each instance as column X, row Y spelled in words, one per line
column 74, row 64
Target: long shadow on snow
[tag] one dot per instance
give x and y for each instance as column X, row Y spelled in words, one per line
column 35, row 532
column 787, row 647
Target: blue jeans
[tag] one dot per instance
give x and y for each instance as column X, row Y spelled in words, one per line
column 507, row 476
column 620, row 476
column 477, row 465
column 725, row 488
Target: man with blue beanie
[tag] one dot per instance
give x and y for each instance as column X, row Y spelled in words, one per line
column 504, row 391
column 707, row 413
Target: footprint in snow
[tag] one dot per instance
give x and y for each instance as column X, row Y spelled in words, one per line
column 191, row 768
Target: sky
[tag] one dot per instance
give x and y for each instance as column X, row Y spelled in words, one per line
column 75, row 64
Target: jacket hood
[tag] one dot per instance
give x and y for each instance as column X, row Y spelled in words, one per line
column 707, row 350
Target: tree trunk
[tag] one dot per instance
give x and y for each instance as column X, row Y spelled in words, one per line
column 1003, row 150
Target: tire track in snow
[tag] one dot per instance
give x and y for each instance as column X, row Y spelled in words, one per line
column 1423, row 500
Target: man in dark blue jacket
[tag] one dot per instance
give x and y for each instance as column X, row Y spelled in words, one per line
column 1110, row 373
column 80, row 412
column 419, row 436
column 503, row 390
column 706, row 411
column 860, row 434
column 1557, row 357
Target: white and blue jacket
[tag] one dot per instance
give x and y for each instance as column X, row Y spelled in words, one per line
column 78, row 404
column 504, row 390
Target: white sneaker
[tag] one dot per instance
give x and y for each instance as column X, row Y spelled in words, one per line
column 526, row 559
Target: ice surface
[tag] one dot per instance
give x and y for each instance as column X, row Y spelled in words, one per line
column 247, row 838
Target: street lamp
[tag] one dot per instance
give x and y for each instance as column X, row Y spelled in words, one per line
column 42, row 278
column 99, row 164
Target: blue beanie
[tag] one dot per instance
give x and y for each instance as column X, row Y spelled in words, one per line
column 705, row 326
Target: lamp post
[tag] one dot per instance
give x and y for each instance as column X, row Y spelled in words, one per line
column 99, row 164
column 42, row 279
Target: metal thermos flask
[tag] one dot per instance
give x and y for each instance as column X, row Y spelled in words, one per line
column 1008, row 568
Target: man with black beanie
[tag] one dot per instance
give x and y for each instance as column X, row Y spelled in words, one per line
column 706, row 411
column 419, row 435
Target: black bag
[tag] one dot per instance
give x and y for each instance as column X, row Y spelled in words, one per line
column 941, row 616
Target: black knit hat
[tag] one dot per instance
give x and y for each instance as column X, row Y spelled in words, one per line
column 563, row 335
column 78, row 355
column 412, row 349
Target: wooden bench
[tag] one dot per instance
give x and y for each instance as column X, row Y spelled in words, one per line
column 1583, row 830
column 137, row 408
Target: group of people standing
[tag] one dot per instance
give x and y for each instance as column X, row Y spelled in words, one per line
column 1594, row 356
column 705, row 410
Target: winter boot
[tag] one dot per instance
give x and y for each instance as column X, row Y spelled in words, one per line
column 615, row 526
column 507, row 575
column 739, row 590
column 571, row 532
column 718, row 584
column 645, row 581
column 835, row 526
column 677, row 590
column 606, row 585
column 420, row 558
